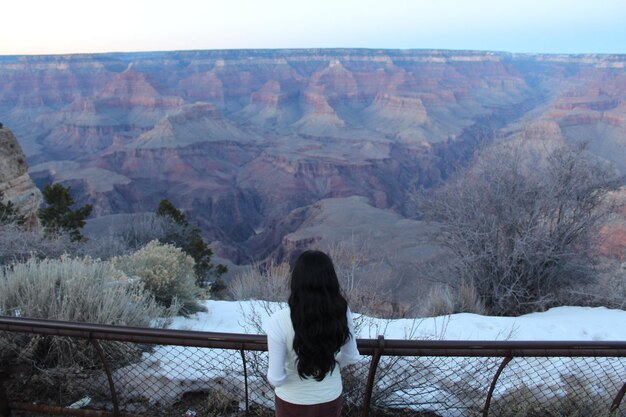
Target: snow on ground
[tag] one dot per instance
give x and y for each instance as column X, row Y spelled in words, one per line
column 561, row 323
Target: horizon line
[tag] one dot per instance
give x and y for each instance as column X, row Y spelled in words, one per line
column 342, row 48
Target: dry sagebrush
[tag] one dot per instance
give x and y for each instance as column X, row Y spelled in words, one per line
column 166, row 271
column 72, row 289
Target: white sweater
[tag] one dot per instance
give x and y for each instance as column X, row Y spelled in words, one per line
column 282, row 372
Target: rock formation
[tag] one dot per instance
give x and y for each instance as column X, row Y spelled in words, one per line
column 15, row 183
column 240, row 139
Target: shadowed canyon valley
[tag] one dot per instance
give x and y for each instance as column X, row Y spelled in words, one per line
column 271, row 151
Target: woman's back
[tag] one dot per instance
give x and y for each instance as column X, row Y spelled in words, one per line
column 309, row 339
column 318, row 314
column 289, row 385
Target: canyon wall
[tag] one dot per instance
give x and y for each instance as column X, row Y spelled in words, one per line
column 241, row 139
column 16, row 185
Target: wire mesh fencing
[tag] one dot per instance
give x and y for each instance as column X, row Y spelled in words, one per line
column 526, row 386
column 54, row 367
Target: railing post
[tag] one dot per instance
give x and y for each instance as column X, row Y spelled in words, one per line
column 107, row 370
column 245, row 376
column 492, row 387
column 372, row 374
column 618, row 400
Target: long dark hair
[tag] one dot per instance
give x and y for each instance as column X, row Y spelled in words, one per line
column 318, row 314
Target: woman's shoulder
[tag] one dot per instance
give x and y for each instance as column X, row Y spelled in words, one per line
column 278, row 325
column 278, row 320
column 281, row 314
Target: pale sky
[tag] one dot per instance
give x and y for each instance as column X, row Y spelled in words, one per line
column 541, row 26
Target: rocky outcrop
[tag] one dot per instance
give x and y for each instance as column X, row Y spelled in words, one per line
column 395, row 115
column 396, row 247
column 15, row 183
column 189, row 125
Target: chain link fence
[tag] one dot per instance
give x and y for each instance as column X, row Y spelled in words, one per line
column 153, row 372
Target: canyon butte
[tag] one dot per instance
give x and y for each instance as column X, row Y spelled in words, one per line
column 270, row 151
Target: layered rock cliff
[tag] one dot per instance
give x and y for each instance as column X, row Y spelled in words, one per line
column 240, row 139
column 16, row 185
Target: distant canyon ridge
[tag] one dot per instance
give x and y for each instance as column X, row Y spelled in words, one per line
column 270, row 151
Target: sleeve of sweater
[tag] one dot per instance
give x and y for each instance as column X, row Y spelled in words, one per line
column 349, row 354
column 277, row 351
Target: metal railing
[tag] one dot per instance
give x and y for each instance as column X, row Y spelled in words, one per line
column 172, row 371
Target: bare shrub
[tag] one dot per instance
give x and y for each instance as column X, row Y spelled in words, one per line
column 362, row 275
column 165, row 271
column 71, row 289
column 353, row 262
column 608, row 290
column 18, row 244
column 269, row 286
column 520, row 225
column 127, row 234
column 143, row 228
column 104, row 246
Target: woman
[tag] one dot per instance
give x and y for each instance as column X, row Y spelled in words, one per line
column 309, row 341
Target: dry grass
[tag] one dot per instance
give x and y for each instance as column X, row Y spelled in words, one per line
column 444, row 299
column 526, row 402
column 262, row 282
